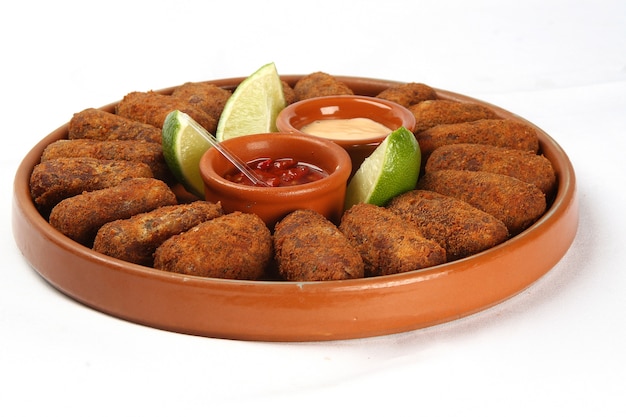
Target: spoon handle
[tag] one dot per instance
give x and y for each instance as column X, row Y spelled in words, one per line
column 238, row 163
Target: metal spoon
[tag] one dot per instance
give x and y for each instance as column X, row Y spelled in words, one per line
column 238, row 163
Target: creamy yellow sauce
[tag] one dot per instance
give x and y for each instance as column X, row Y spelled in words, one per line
column 346, row 129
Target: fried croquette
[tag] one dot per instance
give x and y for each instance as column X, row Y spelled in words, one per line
column 288, row 93
column 206, row 96
column 319, row 84
column 135, row 239
column 504, row 133
column 57, row 179
column 461, row 229
column 387, row 243
column 101, row 125
column 234, row 246
column 309, row 247
column 429, row 113
column 523, row 165
column 516, row 203
column 408, row 94
column 152, row 108
column 149, row 153
column 81, row 216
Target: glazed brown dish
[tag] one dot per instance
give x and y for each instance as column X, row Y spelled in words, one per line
column 307, row 310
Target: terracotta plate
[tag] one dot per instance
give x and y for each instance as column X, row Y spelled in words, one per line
column 283, row 311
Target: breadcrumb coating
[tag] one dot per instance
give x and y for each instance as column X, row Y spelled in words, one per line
column 460, row 228
column 523, row 165
column 81, row 216
column 308, row 247
column 430, row 113
column 516, row 203
column 135, row 239
column 233, row 246
column 101, row 125
column 57, row 179
column 387, row 243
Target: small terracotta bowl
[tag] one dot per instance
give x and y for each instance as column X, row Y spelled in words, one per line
column 325, row 195
column 301, row 113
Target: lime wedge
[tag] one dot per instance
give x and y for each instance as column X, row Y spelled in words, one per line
column 253, row 106
column 392, row 169
column 183, row 146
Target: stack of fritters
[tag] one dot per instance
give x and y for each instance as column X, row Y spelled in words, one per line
column 232, row 246
column 474, row 155
column 107, row 186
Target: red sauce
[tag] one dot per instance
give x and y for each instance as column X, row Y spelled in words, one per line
column 279, row 172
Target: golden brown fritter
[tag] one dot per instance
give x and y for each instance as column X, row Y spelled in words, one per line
column 152, row 108
column 81, row 216
column 429, row 113
column 206, row 96
column 408, row 94
column 523, row 165
column 233, row 246
column 503, row 133
column 57, row 179
column 149, row 153
column 135, row 239
column 387, row 243
column 308, row 247
column 319, row 84
column 516, row 203
column 290, row 95
column 101, row 125
column 460, row 228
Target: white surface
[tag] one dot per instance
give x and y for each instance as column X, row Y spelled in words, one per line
column 556, row 349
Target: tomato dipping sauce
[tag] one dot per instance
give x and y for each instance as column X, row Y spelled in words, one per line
column 280, row 172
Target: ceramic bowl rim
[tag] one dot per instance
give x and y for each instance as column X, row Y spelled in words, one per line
column 342, row 166
column 284, row 119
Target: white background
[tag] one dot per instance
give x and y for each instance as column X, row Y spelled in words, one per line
column 556, row 349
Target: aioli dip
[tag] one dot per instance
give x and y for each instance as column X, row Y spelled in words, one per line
column 346, row 129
